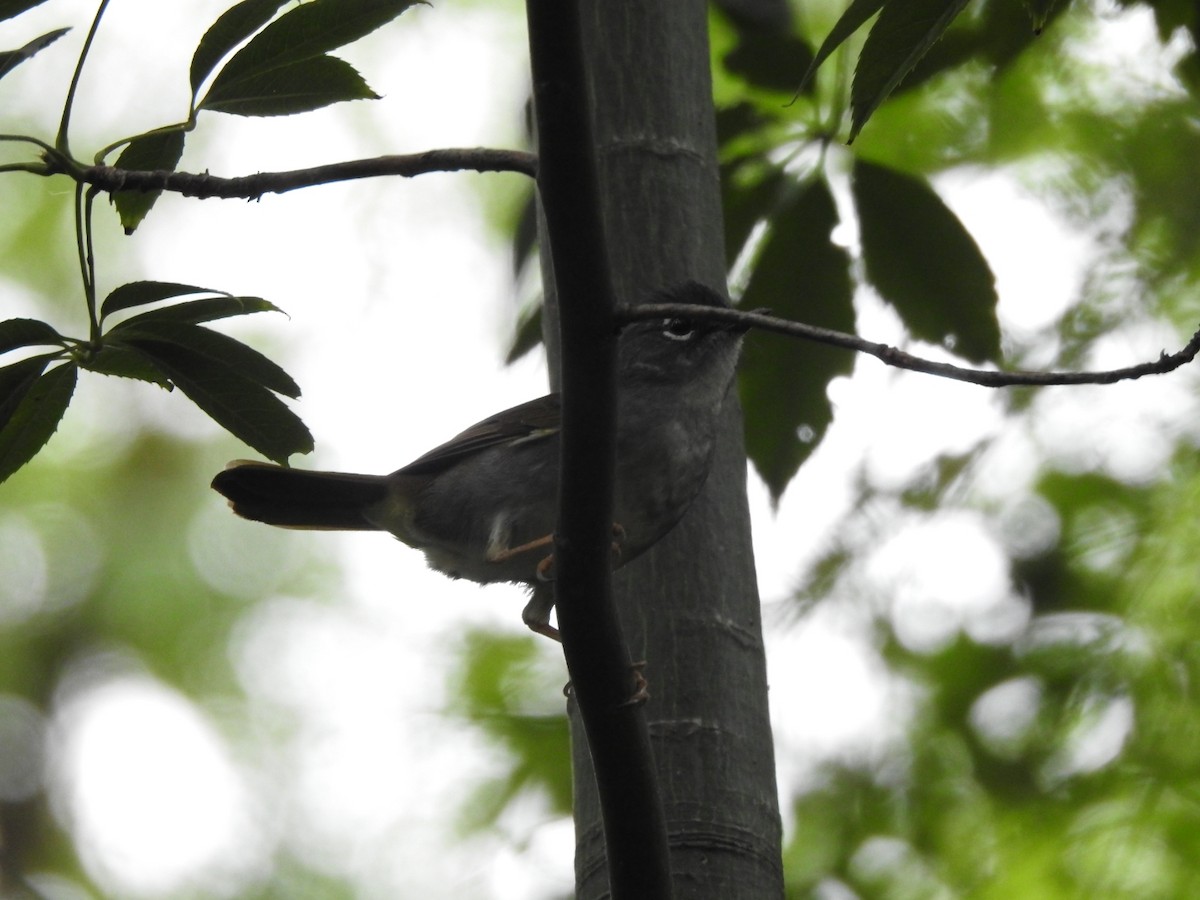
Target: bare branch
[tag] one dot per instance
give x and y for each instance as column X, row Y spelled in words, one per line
column 252, row 187
column 1167, row 362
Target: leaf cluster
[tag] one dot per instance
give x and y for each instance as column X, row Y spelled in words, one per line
column 168, row 346
column 960, row 85
column 967, row 802
column 782, row 248
column 253, row 62
column 267, row 67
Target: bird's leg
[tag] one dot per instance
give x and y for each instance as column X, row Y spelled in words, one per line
column 507, row 553
column 546, row 564
column 537, row 613
column 641, row 687
column 504, row 554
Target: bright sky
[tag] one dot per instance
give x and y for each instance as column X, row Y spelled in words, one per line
column 364, row 785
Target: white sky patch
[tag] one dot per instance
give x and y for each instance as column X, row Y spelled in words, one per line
column 148, row 788
column 1126, row 430
column 945, row 574
column 1095, row 741
column 1036, row 255
column 1004, row 716
column 831, row 698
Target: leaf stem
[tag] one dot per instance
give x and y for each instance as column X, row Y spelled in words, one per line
column 61, row 141
column 87, row 260
column 27, row 139
column 164, row 129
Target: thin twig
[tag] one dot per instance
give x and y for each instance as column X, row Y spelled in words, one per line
column 1167, row 362
column 252, row 187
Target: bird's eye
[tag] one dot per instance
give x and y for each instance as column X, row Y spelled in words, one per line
column 678, row 329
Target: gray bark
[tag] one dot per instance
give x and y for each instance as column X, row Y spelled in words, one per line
column 690, row 607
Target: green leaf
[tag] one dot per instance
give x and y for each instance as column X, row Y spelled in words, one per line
column 238, row 404
column 25, row 332
column 746, row 203
column 219, row 350
column 197, row 311
column 769, row 58
column 524, row 234
column 15, row 382
column 306, row 33
column 285, row 90
column 310, row 30
column 139, row 293
column 799, row 274
column 851, row 20
column 11, row 8
column 528, row 336
column 153, row 152
column 36, row 418
column 924, row 262
column 10, row 59
column 231, row 28
column 496, row 676
column 902, row 34
column 126, row 362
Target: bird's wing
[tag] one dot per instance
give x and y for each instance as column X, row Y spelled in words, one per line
column 534, row 420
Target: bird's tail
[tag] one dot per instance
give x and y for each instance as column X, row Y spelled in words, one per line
column 294, row 498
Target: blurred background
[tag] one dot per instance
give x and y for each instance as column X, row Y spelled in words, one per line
column 981, row 606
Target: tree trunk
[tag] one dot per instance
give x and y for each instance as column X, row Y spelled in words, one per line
column 690, row 607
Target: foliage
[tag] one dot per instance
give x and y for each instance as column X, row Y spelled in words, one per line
column 283, row 68
column 1053, row 760
column 991, row 791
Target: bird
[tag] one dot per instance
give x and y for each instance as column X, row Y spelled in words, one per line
column 483, row 505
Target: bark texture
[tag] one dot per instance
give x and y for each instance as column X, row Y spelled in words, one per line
column 690, row 607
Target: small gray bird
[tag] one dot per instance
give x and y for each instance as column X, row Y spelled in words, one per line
column 482, row 506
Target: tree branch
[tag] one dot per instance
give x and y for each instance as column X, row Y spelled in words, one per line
column 252, row 187
column 1167, row 362
column 596, row 653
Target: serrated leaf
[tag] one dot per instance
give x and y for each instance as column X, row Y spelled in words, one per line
column 310, row 30
column 15, row 382
column 799, row 274
column 10, row 59
column 241, row 406
column 36, row 418
column 285, row 90
column 139, row 293
column 157, row 151
column 902, row 34
column 220, row 350
column 246, row 84
column 231, row 28
column 196, row 311
column 924, row 262
column 26, row 332
column 126, row 362
column 850, row 21
column 11, row 8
